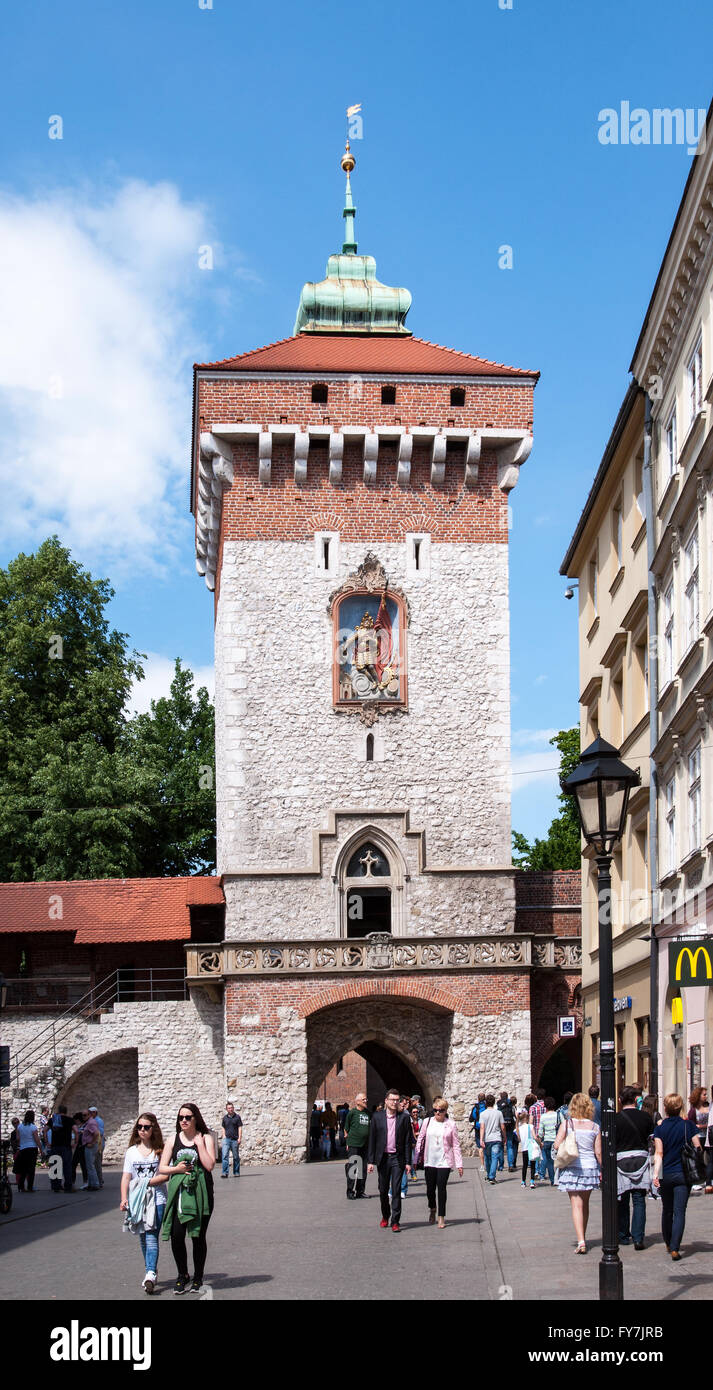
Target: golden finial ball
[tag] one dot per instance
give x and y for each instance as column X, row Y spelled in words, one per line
column 347, row 160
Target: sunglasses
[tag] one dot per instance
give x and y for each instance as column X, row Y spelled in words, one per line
column 144, row 1126
column 440, row 1110
column 185, row 1117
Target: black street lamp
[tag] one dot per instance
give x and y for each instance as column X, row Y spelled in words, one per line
column 601, row 784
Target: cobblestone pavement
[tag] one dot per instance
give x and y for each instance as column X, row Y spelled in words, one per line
column 290, row 1233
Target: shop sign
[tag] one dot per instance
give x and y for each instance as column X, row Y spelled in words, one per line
column 691, row 963
column 621, row 1004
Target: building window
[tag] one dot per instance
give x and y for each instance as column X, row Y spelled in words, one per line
column 670, row 836
column 594, row 584
column 618, row 535
column 639, row 483
column 694, row 799
column 671, row 444
column 621, row 1056
column 326, row 553
column 370, row 748
column 595, row 1060
column 617, row 709
column 388, row 395
column 320, row 394
column 643, row 1051
column 641, row 658
column 457, row 395
column 692, row 616
column 695, row 381
column 668, row 626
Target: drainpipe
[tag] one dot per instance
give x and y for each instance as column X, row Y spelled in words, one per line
column 648, row 482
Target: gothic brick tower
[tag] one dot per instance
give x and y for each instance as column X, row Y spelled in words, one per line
column 351, row 490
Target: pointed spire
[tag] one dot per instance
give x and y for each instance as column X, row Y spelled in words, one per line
column 349, row 247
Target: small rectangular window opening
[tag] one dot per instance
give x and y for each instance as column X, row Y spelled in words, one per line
column 325, row 554
column 417, row 554
column 320, row 394
column 457, row 395
column 370, row 748
column 388, row 395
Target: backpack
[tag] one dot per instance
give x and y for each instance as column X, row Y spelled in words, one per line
column 506, row 1110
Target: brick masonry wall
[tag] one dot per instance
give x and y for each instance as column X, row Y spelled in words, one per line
column 538, row 896
column 347, row 1082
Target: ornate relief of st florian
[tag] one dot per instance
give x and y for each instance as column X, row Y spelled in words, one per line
column 370, row 622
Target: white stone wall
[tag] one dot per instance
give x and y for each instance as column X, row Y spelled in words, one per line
column 267, row 1075
column 285, row 759
column 156, row 1056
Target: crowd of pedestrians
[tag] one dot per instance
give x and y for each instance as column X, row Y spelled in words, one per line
column 167, row 1191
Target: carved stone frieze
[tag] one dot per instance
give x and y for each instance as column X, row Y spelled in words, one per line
column 382, row 951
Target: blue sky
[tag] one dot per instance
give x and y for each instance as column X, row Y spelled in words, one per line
column 185, row 127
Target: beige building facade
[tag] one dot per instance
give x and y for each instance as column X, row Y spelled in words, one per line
column 608, row 559
column 642, row 557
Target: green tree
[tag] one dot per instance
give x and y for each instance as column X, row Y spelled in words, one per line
column 84, row 792
column 175, row 744
column 562, row 847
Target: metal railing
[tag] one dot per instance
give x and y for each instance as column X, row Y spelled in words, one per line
column 125, row 986
column 46, row 991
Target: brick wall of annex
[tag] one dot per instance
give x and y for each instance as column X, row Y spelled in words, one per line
column 538, row 896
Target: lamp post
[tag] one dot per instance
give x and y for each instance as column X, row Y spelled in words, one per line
column 601, row 784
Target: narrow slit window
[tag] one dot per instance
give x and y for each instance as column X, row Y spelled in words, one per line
column 417, row 554
column 370, row 748
column 320, row 394
column 325, row 554
column 457, row 395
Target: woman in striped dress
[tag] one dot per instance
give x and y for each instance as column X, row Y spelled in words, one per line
column 582, row 1176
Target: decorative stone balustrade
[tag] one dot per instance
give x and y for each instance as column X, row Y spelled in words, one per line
column 208, row 964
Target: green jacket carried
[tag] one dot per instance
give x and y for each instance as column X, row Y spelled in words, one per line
column 188, row 1201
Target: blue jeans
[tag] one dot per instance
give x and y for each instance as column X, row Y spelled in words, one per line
column 228, row 1147
column 547, row 1162
column 638, row 1219
column 149, row 1241
column 511, row 1142
column 90, row 1155
column 674, row 1200
column 493, row 1153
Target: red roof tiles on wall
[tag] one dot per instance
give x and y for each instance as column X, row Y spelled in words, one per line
column 109, row 909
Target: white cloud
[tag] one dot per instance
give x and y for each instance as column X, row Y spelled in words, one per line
column 95, row 351
column 537, row 762
column 158, row 674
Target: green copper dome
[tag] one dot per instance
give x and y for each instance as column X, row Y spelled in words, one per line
column 351, row 299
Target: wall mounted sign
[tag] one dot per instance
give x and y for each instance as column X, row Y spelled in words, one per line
column 691, row 963
column 621, row 1004
column 567, row 1026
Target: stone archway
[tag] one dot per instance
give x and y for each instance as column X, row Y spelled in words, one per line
column 111, row 1082
column 417, row 1034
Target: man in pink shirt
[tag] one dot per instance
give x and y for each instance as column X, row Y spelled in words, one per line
column 91, row 1139
column 390, row 1145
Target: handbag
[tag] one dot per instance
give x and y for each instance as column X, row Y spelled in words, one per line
column 568, row 1152
column 692, row 1164
column 423, row 1130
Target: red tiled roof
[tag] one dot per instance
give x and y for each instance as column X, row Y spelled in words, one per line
column 108, row 909
column 340, row 352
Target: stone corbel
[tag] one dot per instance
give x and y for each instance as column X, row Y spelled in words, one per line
column 677, row 747
column 215, row 474
column 703, row 483
column 510, row 460
column 675, row 544
column 301, row 453
column 264, row 453
column 438, row 460
column 218, row 453
column 336, row 456
column 472, row 458
column 703, row 709
column 403, row 470
column 371, row 454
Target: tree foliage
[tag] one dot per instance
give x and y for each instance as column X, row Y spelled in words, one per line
column 84, row 791
column 562, row 847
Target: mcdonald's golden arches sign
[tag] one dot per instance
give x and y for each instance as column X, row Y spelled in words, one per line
column 691, row 962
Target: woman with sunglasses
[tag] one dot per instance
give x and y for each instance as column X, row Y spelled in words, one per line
column 142, row 1158
column 439, row 1148
column 192, row 1150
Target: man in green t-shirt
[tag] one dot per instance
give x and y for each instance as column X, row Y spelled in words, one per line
column 356, row 1129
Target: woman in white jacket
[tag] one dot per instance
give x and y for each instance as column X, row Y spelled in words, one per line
column 141, row 1161
column 439, row 1147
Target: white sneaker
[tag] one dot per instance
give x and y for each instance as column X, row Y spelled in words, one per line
column 697, row 1189
column 149, row 1281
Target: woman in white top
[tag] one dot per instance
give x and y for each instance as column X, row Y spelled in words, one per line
column 439, row 1147
column 143, row 1157
column 28, row 1148
column 581, row 1178
column 529, row 1147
